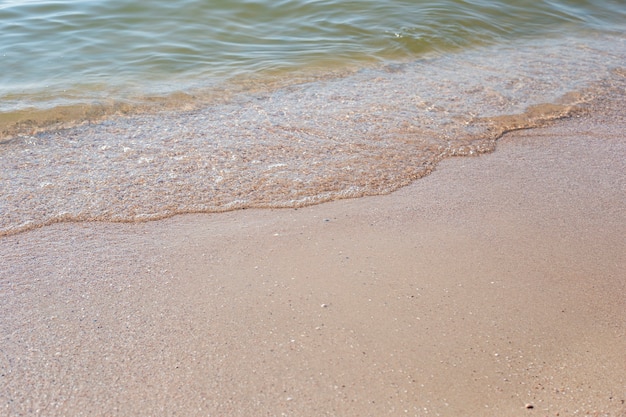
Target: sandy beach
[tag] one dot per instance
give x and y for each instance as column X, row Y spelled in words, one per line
column 492, row 287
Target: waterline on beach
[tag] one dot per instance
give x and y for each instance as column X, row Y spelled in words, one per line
column 368, row 132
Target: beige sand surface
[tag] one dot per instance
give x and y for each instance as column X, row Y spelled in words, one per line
column 495, row 284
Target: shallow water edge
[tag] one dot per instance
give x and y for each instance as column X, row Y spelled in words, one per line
column 366, row 133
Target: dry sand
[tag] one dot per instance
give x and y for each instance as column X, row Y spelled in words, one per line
column 494, row 285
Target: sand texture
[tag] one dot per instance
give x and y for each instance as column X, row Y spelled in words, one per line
column 493, row 287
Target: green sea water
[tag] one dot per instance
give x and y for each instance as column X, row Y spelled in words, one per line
column 64, row 52
column 128, row 111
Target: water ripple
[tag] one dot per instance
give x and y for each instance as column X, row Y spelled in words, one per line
column 54, row 52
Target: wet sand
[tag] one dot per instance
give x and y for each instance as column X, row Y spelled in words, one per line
column 493, row 287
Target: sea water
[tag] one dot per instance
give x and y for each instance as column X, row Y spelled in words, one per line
column 125, row 111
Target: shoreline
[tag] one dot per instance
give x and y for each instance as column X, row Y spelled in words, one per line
column 367, row 133
column 493, row 286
